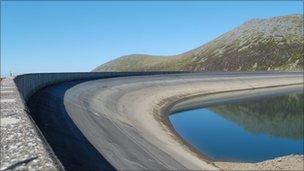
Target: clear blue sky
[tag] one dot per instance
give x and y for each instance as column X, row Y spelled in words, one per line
column 53, row 36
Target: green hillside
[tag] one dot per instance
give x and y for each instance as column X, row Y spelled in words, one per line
column 259, row 44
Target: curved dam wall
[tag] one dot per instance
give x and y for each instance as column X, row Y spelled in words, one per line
column 71, row 96
column 23, row 87
column 28, row 84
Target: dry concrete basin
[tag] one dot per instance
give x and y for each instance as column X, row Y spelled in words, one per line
column 121, row 123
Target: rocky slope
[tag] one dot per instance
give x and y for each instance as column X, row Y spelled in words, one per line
column 259, row 44
column 290, row 162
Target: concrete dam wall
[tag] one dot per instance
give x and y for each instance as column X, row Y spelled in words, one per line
column 21, row 88
column 108, row 121
column 28, row 84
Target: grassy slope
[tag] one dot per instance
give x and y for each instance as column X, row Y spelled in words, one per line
column 259, row 44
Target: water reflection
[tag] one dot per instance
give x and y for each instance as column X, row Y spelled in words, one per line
column 248, row 131
column 281, row 116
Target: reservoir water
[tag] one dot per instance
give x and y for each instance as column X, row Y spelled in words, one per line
column 247, row 131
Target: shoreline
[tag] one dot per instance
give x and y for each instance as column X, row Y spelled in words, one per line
column 165, row 112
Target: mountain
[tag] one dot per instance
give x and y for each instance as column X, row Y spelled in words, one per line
column 259, row 44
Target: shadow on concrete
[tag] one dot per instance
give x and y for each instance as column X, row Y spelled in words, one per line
column 71, row 147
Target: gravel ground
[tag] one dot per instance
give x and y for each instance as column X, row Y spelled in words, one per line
column 22, row 146
column 290, row 162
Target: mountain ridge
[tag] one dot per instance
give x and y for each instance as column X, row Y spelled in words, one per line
column 259, row 44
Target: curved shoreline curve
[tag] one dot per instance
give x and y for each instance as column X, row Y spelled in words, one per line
column 123, row 118
column 208, row 100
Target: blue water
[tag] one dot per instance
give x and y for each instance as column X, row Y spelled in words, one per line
column 250, row 131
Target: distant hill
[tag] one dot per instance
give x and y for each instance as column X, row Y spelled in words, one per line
column 259, row 44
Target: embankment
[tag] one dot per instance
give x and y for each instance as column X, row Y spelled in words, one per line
column 123, row 115
column 124, row 118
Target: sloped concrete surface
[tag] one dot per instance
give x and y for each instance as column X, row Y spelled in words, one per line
column 124, row 119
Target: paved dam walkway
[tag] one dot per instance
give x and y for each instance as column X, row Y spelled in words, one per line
column 121, row 123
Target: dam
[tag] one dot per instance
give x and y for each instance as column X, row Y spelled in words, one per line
column 119, row 121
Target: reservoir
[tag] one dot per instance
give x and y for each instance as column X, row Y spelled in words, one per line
column 247, row 131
